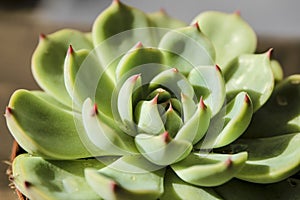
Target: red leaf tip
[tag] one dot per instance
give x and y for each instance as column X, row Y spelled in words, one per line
column 155, row 99
column 163, row 11
column 139, row 45
column 228, row 162
column 166, row 137
column 196, row 25
column 237, row 12
column 8, row 111
column 116, row 1
column 135, row 77
column 247, row 99
column 42, row 36
column 202, row 104
column 218, row 68
column 175, row 70
column 95, row 110
column 70, row 50
column 27, row 184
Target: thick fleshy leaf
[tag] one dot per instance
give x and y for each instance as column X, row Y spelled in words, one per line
column 187, row 48
column 208, row 83
column 173, row 121
column 163, row 20
column 120, row 182
column 237, row 190
column 125, row 106
column 209, row 169
column 281, row 114
column 277, row 70
column 271, row 159
column 250, row 73
column 229, row 33
column 48, row 61
column 173, row 81
column 148, row 118
column 188, row 107
column 195, row 128
column 235, row 116
column 42, row 128
column 162, row 149
column 138, row 57
column 85, row 78
column 41, row 179
column 176, row 189
column 103, row 131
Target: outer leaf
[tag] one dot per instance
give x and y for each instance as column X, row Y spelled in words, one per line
column 281, row 114
column 161, row 149
column 48, row 61
column 229, row 33
column 208, row 83
column 187, row 48
column 85, row 78
column 55, row 126
column 209, row 169
column 252, row 74
column 271, row 159
column 110, row 183
column 237, row 190
column 176, row 189
column 104, row 133
column 277, row 70
column 56, row 180
column 236, row 117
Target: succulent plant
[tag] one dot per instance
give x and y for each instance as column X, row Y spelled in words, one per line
column 148, row 107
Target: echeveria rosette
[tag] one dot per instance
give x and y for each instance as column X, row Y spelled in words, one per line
column 147, row 107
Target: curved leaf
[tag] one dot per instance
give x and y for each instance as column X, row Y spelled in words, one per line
column 252, row 74
column 271, row 159
column 163, row 20
column 187, row 48
column 41, row 179
column 229, row 33
column 42, row 128
column 48, row 61
column 209, row 169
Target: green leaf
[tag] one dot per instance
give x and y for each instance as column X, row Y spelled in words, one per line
column 252, row 74
column 277, row 70
column 48, row 61
column 230, row 34
column 127, row 178
column 187, row 48
column 53, row 180
column 271, row 159
column 148, row 117
column 104, row 133
column 209, row 169
column 237, row 190
column 208, row 83
column 163, row 20
column 138, row 57
column 195, row 128
column 235, row 116
column 42, row 128
column 281, row 114
column 176, row 189
column 162, row 149
column 85, row 78
column 173, row 121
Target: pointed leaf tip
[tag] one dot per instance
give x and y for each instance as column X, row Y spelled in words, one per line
column 166, row 137
column 135, row 77
column 139, row 45
column 196, row 25
column 8, row 111
column 170, row 107
column 202, row 104
column 175, row 70
column 228, row 162
column 42, row 36
column 155, row 99
column 116, row 1
column 237, row 12
column 163, row 11
column 95, row 110
column 218, row 68
column 70, row 50
column 269, row 53
column 247, row 99
column 27, row 184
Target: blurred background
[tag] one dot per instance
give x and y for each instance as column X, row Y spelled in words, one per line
column 21, row 21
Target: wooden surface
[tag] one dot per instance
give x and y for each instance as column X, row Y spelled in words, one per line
column 18, row 38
